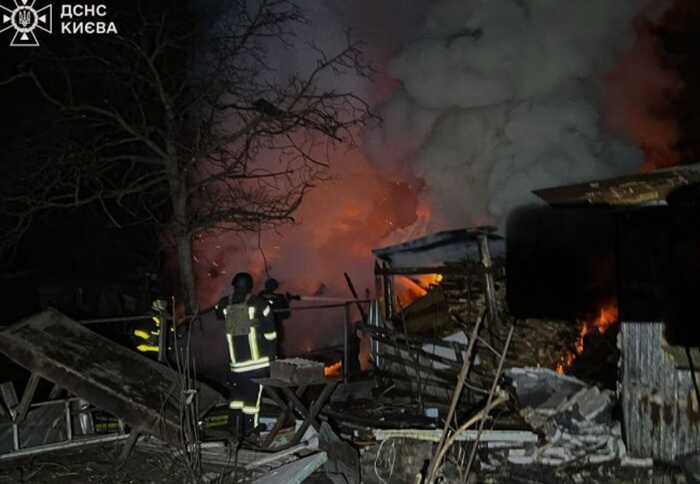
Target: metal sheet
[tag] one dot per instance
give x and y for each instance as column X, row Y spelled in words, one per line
column 661, row 414
column 142, row 392
column 627, row 190
column 440, row 248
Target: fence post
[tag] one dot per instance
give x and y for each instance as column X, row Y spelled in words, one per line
column 346, row 341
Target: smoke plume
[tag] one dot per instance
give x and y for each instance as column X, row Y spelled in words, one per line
column 500, row 97
column 482, row 101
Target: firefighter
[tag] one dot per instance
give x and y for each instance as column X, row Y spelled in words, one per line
column 148, row 335
column 251, row 339
column 279, row 304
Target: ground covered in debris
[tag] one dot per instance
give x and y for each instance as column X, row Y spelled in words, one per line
column 383, row 464
column 94, row 464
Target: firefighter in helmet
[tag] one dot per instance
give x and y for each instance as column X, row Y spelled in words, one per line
column 147, row 334
column 251, row 338
column 279, row 303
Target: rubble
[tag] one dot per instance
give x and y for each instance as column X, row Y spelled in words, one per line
column 490, row 436
column 574, row 419
column 343, row 464
column 96, row 369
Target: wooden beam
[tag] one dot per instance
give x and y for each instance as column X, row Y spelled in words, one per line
column 27, row 398
column 9, row 397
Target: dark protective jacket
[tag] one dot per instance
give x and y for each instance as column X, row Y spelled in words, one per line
column 250, row 333
column 279, row 304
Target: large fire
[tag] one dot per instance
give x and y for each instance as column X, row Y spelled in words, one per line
column 606, row 316
column 408, row 289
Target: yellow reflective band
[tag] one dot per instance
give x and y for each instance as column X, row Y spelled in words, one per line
column 250, row 409
column 236, row 404
column 251, row 312
column 231, row 354
column 266, row 311
column 256, row 418
column 251, row 365
column 156, row 319
column 257, row 403
column 141, row 334
column 155, row 333
column 145, row 348
column 271, row 336
column 253, row 342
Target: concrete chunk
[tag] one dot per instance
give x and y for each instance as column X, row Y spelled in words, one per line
column 297, row 371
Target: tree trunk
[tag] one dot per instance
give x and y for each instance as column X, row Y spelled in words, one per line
column 177, row 181
column 186, row 271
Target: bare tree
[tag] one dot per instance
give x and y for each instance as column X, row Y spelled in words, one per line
column 193, row 129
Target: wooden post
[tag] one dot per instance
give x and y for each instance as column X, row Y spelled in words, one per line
column 27, row 398
column 487, row 264
column 464, row 372
column 387, row 294
column 346, row 342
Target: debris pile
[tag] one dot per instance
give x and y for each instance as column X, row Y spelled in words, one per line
column 575, row 420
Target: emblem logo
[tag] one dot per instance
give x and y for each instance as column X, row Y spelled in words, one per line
column 24, row 18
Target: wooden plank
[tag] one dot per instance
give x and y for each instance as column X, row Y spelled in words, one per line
column 516, row 436
column 27, row 397
column 9, row 397
column 295, row 472
column 113, row 378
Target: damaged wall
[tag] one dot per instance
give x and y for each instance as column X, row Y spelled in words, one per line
column 661, row 411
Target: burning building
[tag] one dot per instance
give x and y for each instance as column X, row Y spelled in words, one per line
column 600, row 285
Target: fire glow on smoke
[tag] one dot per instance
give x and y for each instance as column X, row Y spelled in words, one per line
column 487, row 102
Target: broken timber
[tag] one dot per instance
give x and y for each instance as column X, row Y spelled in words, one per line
column 142, row 392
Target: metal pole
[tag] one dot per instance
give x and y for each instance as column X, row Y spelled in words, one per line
column 61, row 446
column 346, row 341
column 121, row 319
column 69, row 425
column 15, row 436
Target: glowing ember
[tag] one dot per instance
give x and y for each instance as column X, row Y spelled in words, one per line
column 334, row 370
column 606, row 317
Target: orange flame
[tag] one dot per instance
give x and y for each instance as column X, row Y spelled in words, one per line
column 408, row 289
column 334, row 370
column 606, row 317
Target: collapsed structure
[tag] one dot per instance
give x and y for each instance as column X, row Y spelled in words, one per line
column 472, row 334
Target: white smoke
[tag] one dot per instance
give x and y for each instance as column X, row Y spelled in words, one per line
column 500, row 97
